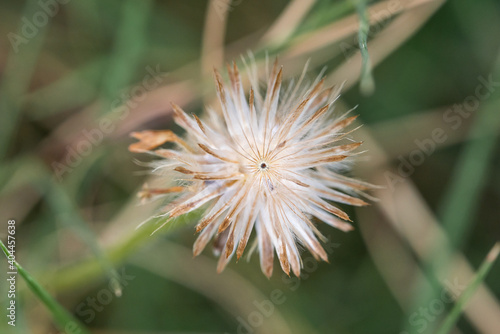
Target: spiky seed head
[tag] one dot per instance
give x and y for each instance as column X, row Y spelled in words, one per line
column 269, row 163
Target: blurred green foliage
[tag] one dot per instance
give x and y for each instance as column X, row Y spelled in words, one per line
column 77, row 65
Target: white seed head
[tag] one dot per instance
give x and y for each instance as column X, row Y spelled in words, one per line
column 269, row 162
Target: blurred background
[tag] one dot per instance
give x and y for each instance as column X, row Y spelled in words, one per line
column 78, row 76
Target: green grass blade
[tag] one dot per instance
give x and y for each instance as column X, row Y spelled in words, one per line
column 62, row 318
column 462, row 196
column 324, row 13
column 129, row 45
column 367, row 85
column 68, row 215
column 458, row 208
column 456, row 311
column 16, row 77
column 74, row 90
column 29, row 170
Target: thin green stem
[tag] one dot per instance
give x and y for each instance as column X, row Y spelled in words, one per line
column 462, row 197
column 35, row 173
column 62, row 318
column 128, row 48
column 456, row 311
column 367, row 85
column 73, row 275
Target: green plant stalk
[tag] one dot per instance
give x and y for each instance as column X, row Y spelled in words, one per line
column 461, row 198
column 68, row 215
column 367, row 85
column 470, row 175
column 128, row 48
column 323, row 14
column 62, row 318
column 457, row 309
column 34, row 172
column 66, row 278
column 16, row 78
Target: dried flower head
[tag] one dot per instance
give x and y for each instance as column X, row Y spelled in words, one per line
column 269, row 162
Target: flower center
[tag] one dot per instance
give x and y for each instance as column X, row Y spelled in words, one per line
column 263, row 166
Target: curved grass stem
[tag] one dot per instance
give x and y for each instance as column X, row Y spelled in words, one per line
column 62, row 318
